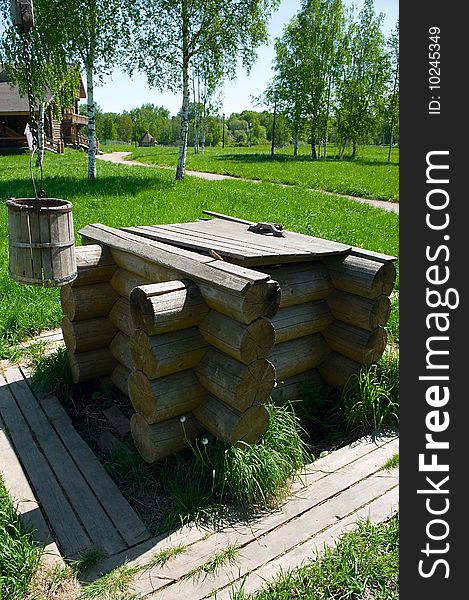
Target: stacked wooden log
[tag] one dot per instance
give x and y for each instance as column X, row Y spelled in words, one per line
column 303, row 314
column 199, row 345
column 196, row 364
column 331, row 319
column 86, row 304
column 185, row 336
column 363, row 282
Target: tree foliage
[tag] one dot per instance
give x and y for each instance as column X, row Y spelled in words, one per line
column 173, row 37
column 54, row 79
column 95, row 31
column 361, row 87
column 332, row 75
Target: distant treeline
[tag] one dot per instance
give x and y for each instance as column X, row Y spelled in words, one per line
column 241, row 129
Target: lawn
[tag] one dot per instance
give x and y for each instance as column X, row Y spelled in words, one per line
column 369, row 175
column 124, row 195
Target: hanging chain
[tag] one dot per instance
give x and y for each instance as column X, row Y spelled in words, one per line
column 23, row 17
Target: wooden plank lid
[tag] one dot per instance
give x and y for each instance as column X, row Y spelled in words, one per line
column 234, row 242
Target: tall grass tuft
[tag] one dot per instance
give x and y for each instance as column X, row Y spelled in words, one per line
column 370, row 401
column 19, row 556
column 115, row 585
column 51, row 373
column 215, row 474
column 258, row 475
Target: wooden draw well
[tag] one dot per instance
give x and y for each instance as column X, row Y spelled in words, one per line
column 200, row 323
column 41, row 241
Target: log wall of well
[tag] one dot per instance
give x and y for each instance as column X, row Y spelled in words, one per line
column 196, row 355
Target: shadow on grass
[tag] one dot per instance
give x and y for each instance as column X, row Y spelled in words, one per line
column 72, row 187
column 13, row 151
column 302, row 158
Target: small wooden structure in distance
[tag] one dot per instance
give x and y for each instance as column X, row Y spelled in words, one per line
column 147, row 140
column 200, row 323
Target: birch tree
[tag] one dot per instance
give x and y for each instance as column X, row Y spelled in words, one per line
column 322, row 22
column 209, row 76
column 361, row 89
column 54, row 80
column 96, row 30
column 171, row 36
column 393, row 85
column 289, row 79
column 307, row 59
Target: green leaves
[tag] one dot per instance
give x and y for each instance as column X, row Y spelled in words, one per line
column 331, row 69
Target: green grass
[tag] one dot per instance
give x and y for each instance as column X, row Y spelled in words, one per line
column 369, row 175
column 51, row 373
column 90, row 558
column 392, row 463
column 115, row 585
column 363, row 565
column 259, row 475
column 123, row 196
column 215, row 475
column 370, row 401
column 211, row 566
column 19, row 555
column 162, row 557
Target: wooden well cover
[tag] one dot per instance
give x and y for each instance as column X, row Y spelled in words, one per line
column 233, row 242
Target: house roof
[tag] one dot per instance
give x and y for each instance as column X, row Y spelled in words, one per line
column 12, row 102
column 10, row 99
column 147, row 137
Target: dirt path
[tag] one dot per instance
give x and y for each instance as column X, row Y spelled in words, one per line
column 120, row 158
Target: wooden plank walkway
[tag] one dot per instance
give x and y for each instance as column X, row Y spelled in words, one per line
column 66, row 496
column 336, row 490
column 64, row 484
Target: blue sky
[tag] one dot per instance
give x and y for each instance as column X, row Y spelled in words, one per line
column 119, row 92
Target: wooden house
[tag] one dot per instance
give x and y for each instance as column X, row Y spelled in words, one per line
column 14, row 114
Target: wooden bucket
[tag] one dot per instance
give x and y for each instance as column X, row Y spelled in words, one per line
column 41, row 241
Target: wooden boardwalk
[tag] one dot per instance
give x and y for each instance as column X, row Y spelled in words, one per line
column 64, row 493
column 336, row 491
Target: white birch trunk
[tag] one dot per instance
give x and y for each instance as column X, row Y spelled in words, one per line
column 295, row 145
column 184, row 124
column 91, row 123
column 196, row 117
column 185, row 95
column 202, row 126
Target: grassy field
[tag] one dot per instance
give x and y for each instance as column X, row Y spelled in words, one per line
column 369, row 175
column 123, row 195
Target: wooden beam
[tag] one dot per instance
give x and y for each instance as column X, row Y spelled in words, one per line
column 157, row 440
column 237, row 384
column 167, row 353
column 230, row 425
column 297, row 356
column 166, row 397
